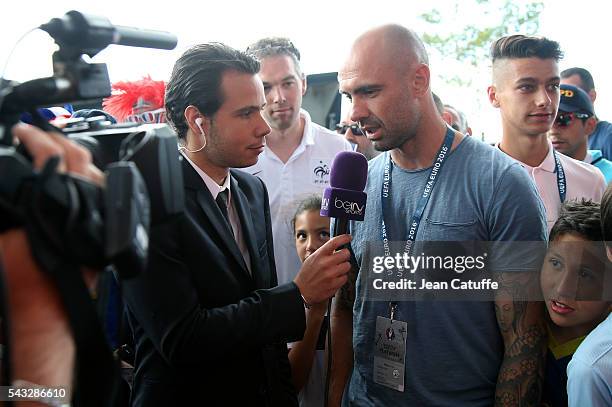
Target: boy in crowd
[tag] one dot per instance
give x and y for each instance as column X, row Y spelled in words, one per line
column 590, row 370
column 572, row 279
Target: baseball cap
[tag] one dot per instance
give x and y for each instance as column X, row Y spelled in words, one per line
column 574, row 99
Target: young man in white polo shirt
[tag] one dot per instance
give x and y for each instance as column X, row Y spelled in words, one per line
column 298, row 154
column 526, row 90
column 295, row 163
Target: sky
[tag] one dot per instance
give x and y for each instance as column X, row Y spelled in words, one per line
column 322, row 30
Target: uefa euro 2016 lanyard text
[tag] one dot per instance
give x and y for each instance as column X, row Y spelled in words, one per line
column 561, row 185
column 390, row 341
column 422, row 204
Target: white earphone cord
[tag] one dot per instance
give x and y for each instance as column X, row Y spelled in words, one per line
column 198, row 123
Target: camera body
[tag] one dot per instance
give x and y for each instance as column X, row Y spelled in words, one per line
column 151, row 147
column 83, row 223
column 70, row 222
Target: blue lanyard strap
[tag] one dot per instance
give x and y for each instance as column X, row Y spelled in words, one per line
column 427, row 190
column 561, row 185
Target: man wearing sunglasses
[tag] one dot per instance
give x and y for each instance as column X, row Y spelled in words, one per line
column 574, row 123
column 354, row 135
column 526, row 91
column 601, row 137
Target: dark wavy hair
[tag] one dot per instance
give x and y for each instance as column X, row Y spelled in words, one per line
column 583, row 218
column 523, row 46
column 196, row 80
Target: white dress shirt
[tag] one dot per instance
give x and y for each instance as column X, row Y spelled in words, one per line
column 214, row 189
column 305, row 173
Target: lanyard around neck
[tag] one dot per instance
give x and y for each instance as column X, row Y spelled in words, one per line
column 561, row 185
column 434, row 173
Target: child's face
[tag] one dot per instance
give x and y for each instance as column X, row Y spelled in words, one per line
column 572, row 280
column 311, row 232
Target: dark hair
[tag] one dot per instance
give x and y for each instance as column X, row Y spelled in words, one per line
column 586, row 79
column 583, row 218
column 275, row 46
column 310, row 203
column 606, row 216
column 196, row 80
column 523, row 46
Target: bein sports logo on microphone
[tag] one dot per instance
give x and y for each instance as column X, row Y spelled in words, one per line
column 343, row 203
column 349, row 207
column 344, row 199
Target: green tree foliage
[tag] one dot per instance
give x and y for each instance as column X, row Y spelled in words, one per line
column 470, row 42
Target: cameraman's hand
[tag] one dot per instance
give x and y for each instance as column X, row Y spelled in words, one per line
column 324, row 271
column 74, row 159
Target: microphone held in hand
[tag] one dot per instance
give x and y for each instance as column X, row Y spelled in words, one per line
column 344, row 200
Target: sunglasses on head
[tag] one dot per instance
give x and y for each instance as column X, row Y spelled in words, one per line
column 566, row 118
column 355, row 129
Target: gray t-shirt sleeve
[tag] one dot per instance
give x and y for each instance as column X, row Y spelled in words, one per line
column 517, row 223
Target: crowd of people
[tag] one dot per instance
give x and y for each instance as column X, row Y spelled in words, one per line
column 232, row 308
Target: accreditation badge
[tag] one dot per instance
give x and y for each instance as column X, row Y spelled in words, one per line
column 390, row 353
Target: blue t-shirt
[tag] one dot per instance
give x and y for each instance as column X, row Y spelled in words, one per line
column 605, row 166
column 601, row 139
column 453, row 349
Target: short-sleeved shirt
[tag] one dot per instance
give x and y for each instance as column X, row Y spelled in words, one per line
column 595, row 158
column 589, row 374
column 601, row 139
column 305, row 173
column 582, row 181
column 453, row 349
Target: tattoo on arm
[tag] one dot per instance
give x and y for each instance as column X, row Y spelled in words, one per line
column 521, row 324
column 346, row 295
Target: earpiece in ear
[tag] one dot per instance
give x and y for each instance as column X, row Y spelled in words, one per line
column 198, row 122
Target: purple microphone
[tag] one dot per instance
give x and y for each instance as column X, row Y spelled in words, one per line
column 344, row 200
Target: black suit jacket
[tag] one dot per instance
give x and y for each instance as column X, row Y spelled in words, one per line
column 207, row 333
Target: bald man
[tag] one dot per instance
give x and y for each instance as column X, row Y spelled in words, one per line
column 430, row 184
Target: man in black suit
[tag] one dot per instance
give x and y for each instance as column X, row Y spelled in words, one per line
column 209, row 321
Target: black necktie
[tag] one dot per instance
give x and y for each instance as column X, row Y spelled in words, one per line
column 222, row 198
